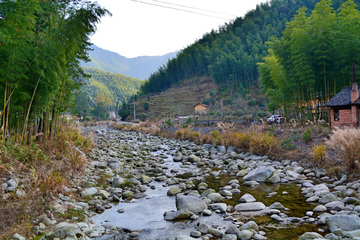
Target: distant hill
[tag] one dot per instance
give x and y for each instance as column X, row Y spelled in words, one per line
column 117, row 86
column 138, row 67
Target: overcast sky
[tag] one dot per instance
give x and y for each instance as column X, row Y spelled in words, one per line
column 157, row 27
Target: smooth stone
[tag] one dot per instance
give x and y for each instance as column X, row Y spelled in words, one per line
column 260, row 174
column 250, row 225
column 195, row 234
column 215, row 197
column 173, row 191
column 184, row 237
column 229, row 237
column 180, row 214
column 253, row 206
column 194, row 205
column 336, row 205
column 218, row 207
column 320, row 208
column 245, row 235
column 328, row 198
column 344, row 222
column 310, row 235
column 246, row 198
column 277, row 205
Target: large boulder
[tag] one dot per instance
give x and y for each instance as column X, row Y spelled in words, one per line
column 343, row 222
column 262, row 174
column 195, row 205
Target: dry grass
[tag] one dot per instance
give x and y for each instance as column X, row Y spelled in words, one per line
column 347, row 142
column 44, row 167
column 226, row 127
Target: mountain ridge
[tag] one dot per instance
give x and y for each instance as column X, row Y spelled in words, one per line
column 138, row 67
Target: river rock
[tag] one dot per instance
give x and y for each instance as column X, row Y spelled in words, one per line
column 215, row 197
column 260, row 174
column 254, row 206
column 184, row 237
column 250, row 225
column 118, row 182
column 221, row 207
column 310, row 235
column 89, row 192
column 192, row 204
column 232, row 229
column 277, row 205
column 180, row 214
column 173, row 191
column 321, row 189
column 343, row 222
column 328, row 198
column 216, row 232
column 320, row 208
column 246, row 198
column 18, row 237
column 230, row 237
column 245, row 235
column 127, row 194
column 145, row 179
column 336, row 205
column 192, row 158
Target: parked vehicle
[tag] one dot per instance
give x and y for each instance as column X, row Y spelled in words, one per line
column 275, row 119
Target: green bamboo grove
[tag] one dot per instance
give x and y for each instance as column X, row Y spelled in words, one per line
column 312, row 61
column 41, row 44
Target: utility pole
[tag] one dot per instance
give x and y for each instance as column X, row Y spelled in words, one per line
column 134, row 112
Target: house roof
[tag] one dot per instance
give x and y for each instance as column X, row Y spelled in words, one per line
column 343, row 98
column 202, row 105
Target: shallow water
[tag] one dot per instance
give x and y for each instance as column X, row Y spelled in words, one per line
column 147, row 213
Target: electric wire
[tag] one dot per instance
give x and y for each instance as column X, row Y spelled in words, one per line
column 178, row 9
column 194, row 8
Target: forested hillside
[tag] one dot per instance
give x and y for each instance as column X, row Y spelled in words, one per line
column 104, row 91
column 230, row 54
column 312, row 61
column 41, row 45
column 138, row 67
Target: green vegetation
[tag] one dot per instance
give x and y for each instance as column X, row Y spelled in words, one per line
column 230, row 54
column 103, row 92
column 41, row 44
column 312, row 61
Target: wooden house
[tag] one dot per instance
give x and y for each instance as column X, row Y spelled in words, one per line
column 344, row 107
column 201, row 108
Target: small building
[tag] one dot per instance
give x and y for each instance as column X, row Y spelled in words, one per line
column 112, row 115
column 201, row 108
column 344, row 107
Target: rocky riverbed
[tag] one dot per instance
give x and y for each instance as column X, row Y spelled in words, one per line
column 144, row 187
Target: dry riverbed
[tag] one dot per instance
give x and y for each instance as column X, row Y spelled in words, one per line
column 139, row 186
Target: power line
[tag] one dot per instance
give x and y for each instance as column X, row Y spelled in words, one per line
column 156, row 5
column 194, row 8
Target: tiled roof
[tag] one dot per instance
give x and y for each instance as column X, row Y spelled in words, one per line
column 343, row 98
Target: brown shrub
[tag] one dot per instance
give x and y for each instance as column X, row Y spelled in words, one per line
column 263, row 144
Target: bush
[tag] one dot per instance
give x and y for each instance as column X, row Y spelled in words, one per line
column 307, row 135
column 87, row 118
column 142, row 117
column 208, row 101
column 252, row 102
column 145, row 106
column 347, row 142
column 263, row 144
column 319, row 153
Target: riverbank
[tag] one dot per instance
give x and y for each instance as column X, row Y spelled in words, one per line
column 202, row 186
